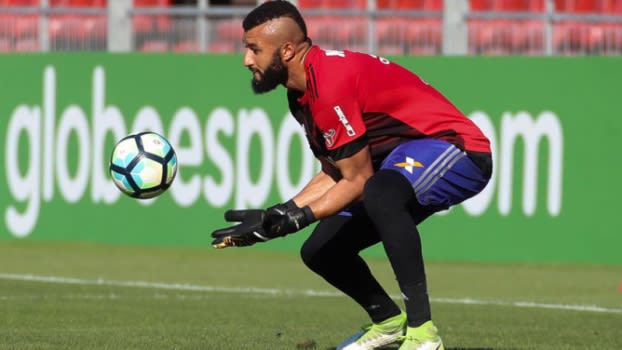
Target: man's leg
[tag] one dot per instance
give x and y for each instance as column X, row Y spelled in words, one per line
column 389, row 199
column 332, row 251
column 417, row 179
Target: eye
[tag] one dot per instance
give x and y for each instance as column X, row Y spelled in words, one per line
column 252, row 47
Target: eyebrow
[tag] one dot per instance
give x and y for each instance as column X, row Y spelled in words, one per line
column 251, row 46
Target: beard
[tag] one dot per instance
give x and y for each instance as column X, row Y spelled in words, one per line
column 273, row 76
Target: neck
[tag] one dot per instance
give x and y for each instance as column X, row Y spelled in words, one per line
column 297, row 79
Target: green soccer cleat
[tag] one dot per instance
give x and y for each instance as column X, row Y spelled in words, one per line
column 424, row 337
column 376, row 335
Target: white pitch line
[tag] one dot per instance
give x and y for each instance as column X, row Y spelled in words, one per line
column 529, row 304
column 287, row 292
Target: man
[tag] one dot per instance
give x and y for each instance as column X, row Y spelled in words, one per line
column 393, row 151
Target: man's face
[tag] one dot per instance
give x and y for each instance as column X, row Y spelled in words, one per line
column 262, row 57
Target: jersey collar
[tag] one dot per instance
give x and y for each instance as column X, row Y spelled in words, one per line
column 311, row 57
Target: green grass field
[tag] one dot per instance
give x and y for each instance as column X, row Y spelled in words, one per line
column 56, row 295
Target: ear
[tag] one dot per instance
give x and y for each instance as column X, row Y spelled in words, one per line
column 288, row 51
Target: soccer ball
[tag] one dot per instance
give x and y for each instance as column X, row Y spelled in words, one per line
column 143, row 165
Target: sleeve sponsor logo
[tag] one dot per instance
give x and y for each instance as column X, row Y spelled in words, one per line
column 346, row 123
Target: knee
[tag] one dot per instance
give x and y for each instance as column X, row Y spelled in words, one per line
column 386, row 190
column 311, row 256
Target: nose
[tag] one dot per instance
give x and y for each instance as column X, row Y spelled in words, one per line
column 248, row 59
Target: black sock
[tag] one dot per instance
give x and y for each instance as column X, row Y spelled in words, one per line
column 332, row 251
column 355, row 280
column 417, row 303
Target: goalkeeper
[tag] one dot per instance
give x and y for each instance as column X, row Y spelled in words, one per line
column 393, row 152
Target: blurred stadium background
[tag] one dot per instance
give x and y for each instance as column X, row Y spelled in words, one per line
column 388, row 27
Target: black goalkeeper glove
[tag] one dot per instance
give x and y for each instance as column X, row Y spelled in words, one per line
column 249, row 231
column 257, row 225
column 283, row 208
column 283, row 222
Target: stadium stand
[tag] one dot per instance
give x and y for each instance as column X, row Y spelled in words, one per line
column 228, row 34
column 15, row 26
column 148, row 29
column 332, row 30
column 495, row 27
column 412, row 35
column 575, row 36
column 26, row 45
column 18, row 31
column 148, row 23
column 5, row 45
column 187, row 46
column 505, row 36
column 154, row 46
column 75, row 31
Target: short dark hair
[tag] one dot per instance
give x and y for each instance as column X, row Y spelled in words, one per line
column 274, row 9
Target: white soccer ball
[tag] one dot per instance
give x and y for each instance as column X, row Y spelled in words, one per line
column 143, row 165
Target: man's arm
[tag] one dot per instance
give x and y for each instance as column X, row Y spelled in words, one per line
column 354, row 170
column 319, row 184
column 326, row 194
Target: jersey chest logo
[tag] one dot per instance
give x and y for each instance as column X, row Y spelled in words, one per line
column 329, row 137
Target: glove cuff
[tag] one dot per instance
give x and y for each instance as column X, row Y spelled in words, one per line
column 283, row 208
column 289, row 205
column 309, row 216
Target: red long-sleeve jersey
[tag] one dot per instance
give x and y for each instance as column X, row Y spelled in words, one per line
column 355, row 99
